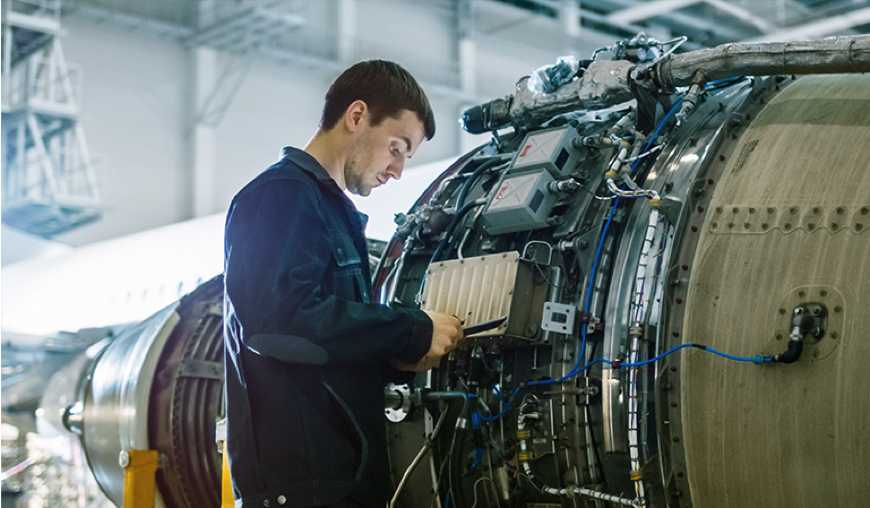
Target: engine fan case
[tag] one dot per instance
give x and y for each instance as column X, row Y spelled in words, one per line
column 787, row 225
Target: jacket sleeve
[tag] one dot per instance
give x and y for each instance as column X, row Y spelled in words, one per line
column 278, row 247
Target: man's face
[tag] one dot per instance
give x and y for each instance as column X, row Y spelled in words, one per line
column 379, row 153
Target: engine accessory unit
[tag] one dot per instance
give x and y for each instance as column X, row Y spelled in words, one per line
column 552, row 149
column 519, row 202
column 488, row 287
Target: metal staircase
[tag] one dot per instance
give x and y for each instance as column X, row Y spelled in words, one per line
column 48, row 182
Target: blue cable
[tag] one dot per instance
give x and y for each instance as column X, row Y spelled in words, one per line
column 497, row 392
column 478, row 456
column 506, row 408
column 576, row 369
column 580, row 357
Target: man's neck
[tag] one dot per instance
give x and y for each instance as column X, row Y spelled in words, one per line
column 329, row 151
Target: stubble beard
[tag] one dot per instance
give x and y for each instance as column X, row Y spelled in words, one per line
column 356, row 165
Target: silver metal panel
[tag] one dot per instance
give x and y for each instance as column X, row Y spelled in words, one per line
column 117, row 395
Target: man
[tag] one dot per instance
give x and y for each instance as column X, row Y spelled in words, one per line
column 307, row 354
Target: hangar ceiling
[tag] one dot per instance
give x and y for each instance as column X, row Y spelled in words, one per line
column 313, row 33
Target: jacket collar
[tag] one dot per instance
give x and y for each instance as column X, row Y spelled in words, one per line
column 308, row 163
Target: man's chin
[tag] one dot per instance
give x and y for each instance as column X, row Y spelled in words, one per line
column 362, row 192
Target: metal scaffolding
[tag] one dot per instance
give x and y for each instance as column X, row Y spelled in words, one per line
column 49, row 186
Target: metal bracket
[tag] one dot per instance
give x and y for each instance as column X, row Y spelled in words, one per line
column 558, row 317
column 671, row 207
column 593, row 323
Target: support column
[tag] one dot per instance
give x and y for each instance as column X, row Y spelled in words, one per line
column 569, row 16
column 202, row 134
column 467, row 68
column 347, row 34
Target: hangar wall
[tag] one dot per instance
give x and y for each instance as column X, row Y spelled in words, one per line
column 138, row 90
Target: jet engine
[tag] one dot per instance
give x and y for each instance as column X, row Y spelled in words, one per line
column 678, row 243
column 681, row 262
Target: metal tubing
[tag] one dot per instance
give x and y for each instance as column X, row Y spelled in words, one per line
column 833, row 55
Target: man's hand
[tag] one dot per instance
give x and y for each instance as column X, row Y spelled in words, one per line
column 446, row 335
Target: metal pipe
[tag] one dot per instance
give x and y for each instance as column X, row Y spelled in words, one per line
column 609, row 82
column 594, row 494
column 833, row 55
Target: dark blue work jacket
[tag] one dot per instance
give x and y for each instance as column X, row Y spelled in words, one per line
column 307, row 353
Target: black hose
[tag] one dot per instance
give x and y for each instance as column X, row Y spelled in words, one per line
column 454, row 470
column 452, row 227
column 469, row 183
column 792, row 354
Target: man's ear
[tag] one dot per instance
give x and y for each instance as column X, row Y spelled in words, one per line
column 354, row 115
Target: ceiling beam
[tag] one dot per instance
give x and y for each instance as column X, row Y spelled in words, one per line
column 818, row 29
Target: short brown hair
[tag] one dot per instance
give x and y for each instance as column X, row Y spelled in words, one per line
column 385, row 87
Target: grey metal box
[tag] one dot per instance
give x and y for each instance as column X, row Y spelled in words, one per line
column 551, row 149
column 519, row 202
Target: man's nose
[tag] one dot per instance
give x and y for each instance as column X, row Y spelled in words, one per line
column 395, row 169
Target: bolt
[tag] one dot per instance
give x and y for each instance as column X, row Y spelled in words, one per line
column 816, row 353
column 782, row 311
column 751, row 210
column 811, row 226
column 793, row 210
column 823, row 293
column 840, row 210
column 865, row 210
column 778, row 336
column 838, row 308
column 765, row 225
column 676, row 440
column 746, row 225
column 735, row 210
column 681, row 474
column 802, row 293
column 786, row 226
column 730, row 225
column 816, row 210
column 859, row 227
column 834, row 335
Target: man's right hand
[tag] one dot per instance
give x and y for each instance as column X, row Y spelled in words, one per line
column 446, row 334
